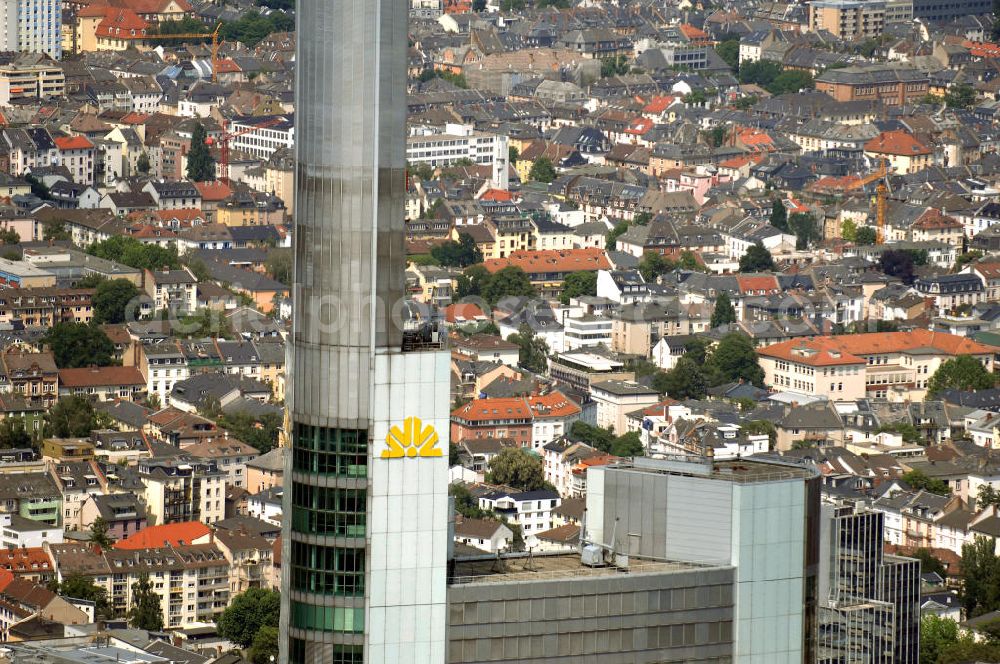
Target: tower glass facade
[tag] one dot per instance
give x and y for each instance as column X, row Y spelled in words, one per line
column 353, row 505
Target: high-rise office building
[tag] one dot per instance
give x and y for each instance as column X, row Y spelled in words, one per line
column 701, row 561
column 365, row 533
column 31, row 26
column 869, row 602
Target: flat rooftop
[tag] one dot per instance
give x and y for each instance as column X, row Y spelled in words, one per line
column 739, row 471
column 549, row 567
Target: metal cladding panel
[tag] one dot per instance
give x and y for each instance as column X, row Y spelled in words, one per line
column 699, row 520
column 350, row 178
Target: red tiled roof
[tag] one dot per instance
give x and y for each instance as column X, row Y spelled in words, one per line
column 122, row 24
column 213, row 191
column 542, row 261
column 493, row 409
column 72, row 143
column 497, row 195
column 463, row 312
column 898, row 143
column 174, row 534
column 658, row 104
column 25, row 561
column 848, row 348
column 553, row 404
column 768, row 284
column 96, row 376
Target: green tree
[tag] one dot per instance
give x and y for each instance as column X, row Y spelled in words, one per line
column 962, row 95
column 472, row 282
column 577, row 284
column 201, row 165
column 761, row 72
column 642, row 218
column 264, row 649
column 804, row 227
column 458, row 254
column 247, row 613
column 937, row 634
column 734, row 359
column 533, row 351
column 542, row 170
column 611, row 239
column 518, row 468
column 513, row 154
column 597, row 437
column 145, row 612
column 54, row 230
column 628, row 445
column 614, row 66
column 684, row 381
column 511, row 281
column 964, row 372
column 849, row 230
column 929, row 564
column 132, row 252
column 654, row 265
column 278, row 265
column 696, row 350
column 695, row 97
column 13, row 433
column 71, row 417
column 897, row 263
column 980, row 577
column 78, row 586
column 142, row 164
column 918, row 480
column 259, row 431
column 111, row 300
column 99, row 533
column 252, row 27
column 724, row 313
column 9, row 236
column 866, row 235
column 790, row 81
column 967, row 651
column 757, row 259
column 79, row 345
column 716, row 136
column 779, row 216
column 746, row 103
column 729, row 51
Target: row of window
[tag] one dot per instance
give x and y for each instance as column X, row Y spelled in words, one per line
column 325, row 451
column 328, row 618
column 328, row 511
column 328, row 570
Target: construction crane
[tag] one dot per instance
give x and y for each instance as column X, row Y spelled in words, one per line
column 227, row 136
column 193, row 35
column 881, row 196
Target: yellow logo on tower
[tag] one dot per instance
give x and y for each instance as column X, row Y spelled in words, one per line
column 413, row 440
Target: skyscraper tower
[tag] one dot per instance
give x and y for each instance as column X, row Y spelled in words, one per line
column 365, row 501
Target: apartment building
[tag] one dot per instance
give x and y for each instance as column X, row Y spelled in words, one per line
column 31, row 26
column 263, row 142
column 617, row 398
column 44, row 307
column 103, row 383
column 33, row 496
column 892, row 85
column 162, row 364
column 532, row 510
column 892, row 365
column 459, row 142
column 183, row 489
column 530, row 421
column 30, row 76
column 32, row 376
column 173, row 290
column 847, row 19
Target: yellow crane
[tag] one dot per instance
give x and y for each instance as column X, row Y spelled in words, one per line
column 194, row 35
column 881, row 196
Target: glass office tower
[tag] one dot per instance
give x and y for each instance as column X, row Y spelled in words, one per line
column 365, row 501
